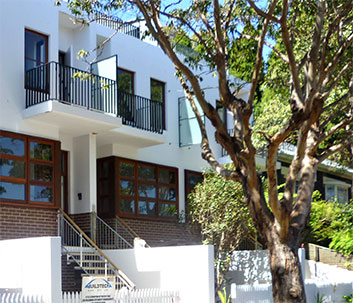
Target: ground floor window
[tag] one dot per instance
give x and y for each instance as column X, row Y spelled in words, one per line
column 140, row 189
column 29, row 172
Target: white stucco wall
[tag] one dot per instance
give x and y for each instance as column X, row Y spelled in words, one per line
column 145, row 60
column 188, row 269
column 33, row 265
column 253, row 267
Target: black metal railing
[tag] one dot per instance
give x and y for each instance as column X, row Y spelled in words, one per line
column 118, row 25
column 54, row 81
column 140, row 112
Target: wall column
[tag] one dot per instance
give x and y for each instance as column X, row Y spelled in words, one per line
column 84, row 174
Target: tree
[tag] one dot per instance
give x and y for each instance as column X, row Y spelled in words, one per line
column 313, row 41
column 216, row 207
column 331, row 223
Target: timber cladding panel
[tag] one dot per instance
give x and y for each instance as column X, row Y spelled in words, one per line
column 160, row 233
column 25, row 222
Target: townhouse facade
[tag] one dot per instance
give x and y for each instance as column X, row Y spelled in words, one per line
column 115, row 137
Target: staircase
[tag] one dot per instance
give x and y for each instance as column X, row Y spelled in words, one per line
column 86, row 254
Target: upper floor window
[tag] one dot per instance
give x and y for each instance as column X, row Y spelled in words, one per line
column 157, row 89
column 36, row 49
column 126, row 81
column 336, row 190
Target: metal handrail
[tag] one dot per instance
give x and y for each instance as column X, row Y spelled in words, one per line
column 69, row 85
column 105, row 236
column 73, row 236
column 127, row 228
column 117, row 24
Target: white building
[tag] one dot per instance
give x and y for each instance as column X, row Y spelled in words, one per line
column 121, row 142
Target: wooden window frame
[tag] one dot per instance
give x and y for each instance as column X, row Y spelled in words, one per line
column 54, row 163
column 46, row 50
column 133, row 78
column 138, row 198
column 163, row 101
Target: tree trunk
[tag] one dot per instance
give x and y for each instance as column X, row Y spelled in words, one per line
column 287, row 281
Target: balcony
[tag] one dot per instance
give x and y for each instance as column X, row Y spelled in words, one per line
column 89, row 96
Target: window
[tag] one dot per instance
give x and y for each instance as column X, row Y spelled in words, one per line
column 27, row 169
column 192, row 178
column 36, row 49
column 147, row 190
column 158, row 101
column 136, row 189
column 126, row 81
column 336, row 190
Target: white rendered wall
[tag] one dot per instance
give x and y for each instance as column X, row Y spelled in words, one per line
column 85, row 177
column 188, row 269
column 253, row 267
column 145, row 60
column 33, row 265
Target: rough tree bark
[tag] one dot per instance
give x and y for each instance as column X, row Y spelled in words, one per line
column 315, row 70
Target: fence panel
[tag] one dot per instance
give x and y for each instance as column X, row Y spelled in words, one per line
column 133, row 296
column 20, row 298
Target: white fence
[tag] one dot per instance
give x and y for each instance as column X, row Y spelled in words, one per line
column 262, row 293
column 20, row 298
column 134, row 296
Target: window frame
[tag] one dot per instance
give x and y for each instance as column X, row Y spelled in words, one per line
column 46, row 49
column 163, row 98
column 54, row 163
column 138, row 198
column 132, row 77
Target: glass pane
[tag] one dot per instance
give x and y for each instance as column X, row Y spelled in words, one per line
column 147, row 173
column 147, row 208
column 127, row 206
column 12, row 168
column 342, row 194
column 125, row 81
column 41, row 193
column 147, row 190
column 167, row 210
column 127, row 187
column 41, row 172
column 330, row 192
column 35, row 46
column 11, row 146
column 157, row 91
column 166, row 176
column 127, row 169
column 167, row 193
column 41, row 151
column 12, row 191
column 194, row 179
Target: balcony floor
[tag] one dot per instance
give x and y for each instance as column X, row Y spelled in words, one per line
column 71, row 119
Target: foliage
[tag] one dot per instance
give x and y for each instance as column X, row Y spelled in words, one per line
column 223, row 296
column 332, row 222
column 307, row 99
column 217, row 206
column 348, row 299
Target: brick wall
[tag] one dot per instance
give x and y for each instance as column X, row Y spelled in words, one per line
column 26, row 222
column 71, row 278
column 160, row 233
column 328, row 256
